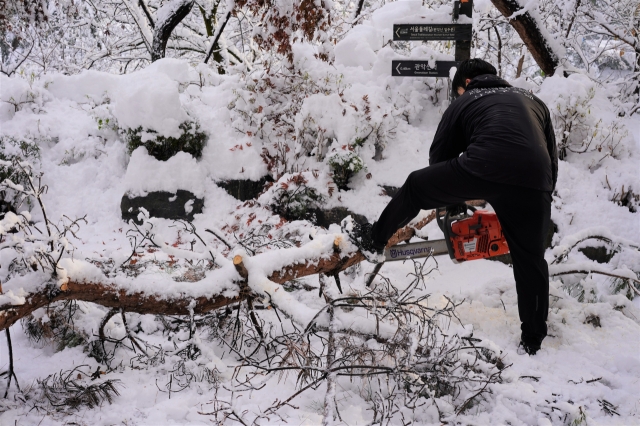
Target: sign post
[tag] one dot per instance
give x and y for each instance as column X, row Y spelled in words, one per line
column 463, row 47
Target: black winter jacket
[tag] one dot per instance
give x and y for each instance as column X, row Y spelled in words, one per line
column 504, row 133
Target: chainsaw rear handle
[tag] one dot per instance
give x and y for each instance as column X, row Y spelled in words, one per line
column 445, row 226
column 449, row 217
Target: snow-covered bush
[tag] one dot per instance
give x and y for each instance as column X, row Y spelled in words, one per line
column 192, row 141
column 56, row 325
column 295, row 196
column 597, row 149
column 328, row 122
column 583, row 118
column 267, row 108
column 298, row 118
column 344, row 165
column 12, row 152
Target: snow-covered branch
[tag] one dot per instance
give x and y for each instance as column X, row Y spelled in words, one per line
column 614, row 32
column 535, row 37
column 143, row 26
column 167, row 18
column 560, row 265
column 14, row 307
column 328, row 254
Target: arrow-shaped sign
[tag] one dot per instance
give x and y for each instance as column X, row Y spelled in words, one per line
column 424, row 32
column 421, row 68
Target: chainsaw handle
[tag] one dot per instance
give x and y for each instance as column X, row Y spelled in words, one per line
column 445, row 227
column 439, row 219
column 441, row 223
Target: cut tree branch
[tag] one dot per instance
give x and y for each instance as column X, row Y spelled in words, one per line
column 106, row 294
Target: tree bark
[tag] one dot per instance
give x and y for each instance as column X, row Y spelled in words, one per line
column 106, row 295
column 167, row 18
column 528, row 30
column 214, row 48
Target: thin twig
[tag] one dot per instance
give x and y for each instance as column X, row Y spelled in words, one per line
column 11, row 373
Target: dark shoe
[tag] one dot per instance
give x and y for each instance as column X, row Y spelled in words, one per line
column 526, row 348
column 360, row 235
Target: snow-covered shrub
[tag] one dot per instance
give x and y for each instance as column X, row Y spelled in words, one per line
column 293, row 198
column 298, row 118
column 594, row 141
column 192, row 141
column 267, row 108
column 583, row 118
column 344, row 165
column 56, row 325
column 32, row 245
column 11, row 151
column 346, row 118
column 627, row 198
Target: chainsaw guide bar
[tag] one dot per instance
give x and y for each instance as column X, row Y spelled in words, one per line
column 415, row 250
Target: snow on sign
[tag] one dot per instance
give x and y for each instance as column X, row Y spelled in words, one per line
column 421, row 68
column 424, row 32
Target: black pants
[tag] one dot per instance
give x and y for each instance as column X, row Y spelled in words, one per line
column 523, row 213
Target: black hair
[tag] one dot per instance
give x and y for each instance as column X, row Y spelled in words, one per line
column 471, row 68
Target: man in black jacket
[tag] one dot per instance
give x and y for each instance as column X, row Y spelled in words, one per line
column 495, row 142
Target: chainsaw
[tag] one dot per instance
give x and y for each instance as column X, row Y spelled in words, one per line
column 466, row 237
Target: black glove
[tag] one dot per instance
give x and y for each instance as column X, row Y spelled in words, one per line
column 457, row 209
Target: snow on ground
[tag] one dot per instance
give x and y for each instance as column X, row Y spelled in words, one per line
column 578, row 366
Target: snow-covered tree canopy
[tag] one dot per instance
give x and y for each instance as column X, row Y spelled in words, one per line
column 172, row 178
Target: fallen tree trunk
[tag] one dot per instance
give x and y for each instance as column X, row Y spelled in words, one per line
column 105, row 294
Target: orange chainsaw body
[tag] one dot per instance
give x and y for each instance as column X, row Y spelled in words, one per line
column 479, row 236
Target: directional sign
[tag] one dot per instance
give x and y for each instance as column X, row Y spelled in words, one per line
column 421, row 68
column 423, row 32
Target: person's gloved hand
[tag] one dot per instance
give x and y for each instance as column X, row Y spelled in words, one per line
column 457, row 209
